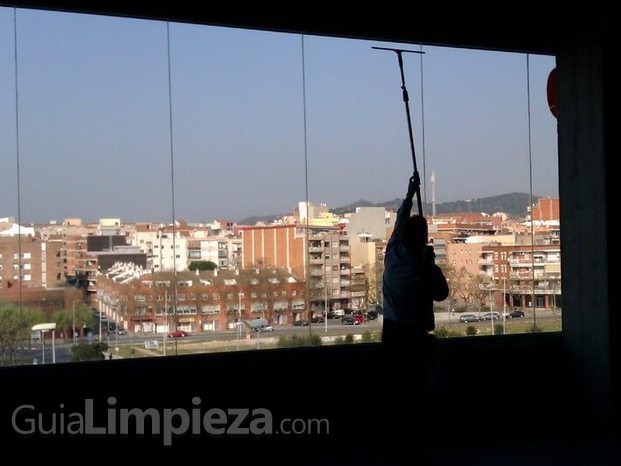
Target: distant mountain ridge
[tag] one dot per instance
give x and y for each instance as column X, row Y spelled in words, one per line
column 513, row 204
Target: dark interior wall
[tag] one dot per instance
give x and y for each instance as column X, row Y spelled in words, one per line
column 533, row 399
column 370, row 402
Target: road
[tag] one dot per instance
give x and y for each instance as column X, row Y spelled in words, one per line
column 334, row 328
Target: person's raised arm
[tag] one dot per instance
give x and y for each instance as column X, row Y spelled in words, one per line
column 404, row 210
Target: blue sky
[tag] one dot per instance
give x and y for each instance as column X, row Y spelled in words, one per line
column 94, row 120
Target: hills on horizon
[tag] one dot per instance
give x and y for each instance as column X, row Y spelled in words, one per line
column 513, row 204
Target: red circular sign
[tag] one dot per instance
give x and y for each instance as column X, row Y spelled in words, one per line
column 552, row 92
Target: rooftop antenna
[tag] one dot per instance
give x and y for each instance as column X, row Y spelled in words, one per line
column 406, row 100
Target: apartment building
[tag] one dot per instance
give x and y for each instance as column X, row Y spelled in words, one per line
column 547, row 209
column 280, row 246
column 512, row 273
column 225, row 252
column 329, row 259
column 41, row 264
column 329, row 271
column 166, row 248
column 198, row 301
column 464, row 255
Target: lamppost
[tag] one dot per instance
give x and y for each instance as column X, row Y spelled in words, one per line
column 327, row 280
column 73, row 322
column 239, row 321
column 99, row 323
column 504, row 305
column 491, row 306
column 325, row 306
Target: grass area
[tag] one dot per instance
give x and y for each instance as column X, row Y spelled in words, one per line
column 513, row 326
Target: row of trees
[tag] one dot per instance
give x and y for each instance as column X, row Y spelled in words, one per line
column 16, row 325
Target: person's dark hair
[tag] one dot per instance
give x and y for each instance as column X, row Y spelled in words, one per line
column 415, row 232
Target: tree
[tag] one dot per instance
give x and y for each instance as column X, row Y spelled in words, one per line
column 15, row 326
column 88, row 351
column 374, row 274
column 457, row 281
column 476, row 293
column 202, row 265
column 64, row 318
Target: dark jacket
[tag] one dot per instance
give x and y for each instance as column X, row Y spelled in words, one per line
column 412, row 280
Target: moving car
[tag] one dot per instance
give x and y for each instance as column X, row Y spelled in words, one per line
column 177, row 334
column 517, row 314
column 490, row 316
column 300, row 323
column 468, row 318
column 267, row 328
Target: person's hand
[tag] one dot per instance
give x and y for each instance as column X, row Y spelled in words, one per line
column 411, row 187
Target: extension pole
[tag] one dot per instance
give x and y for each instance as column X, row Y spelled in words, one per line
column 406, row 100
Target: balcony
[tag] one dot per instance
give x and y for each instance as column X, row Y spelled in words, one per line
column 315, row 249
column 344, row 248
column 345, row 271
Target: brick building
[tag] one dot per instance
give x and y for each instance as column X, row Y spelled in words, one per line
column 198, row 301
column 547, row 209
column 41, row 262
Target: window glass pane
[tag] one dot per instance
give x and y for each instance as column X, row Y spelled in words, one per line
column 247, row 262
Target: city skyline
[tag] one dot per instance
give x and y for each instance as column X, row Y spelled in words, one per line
column 94, row 138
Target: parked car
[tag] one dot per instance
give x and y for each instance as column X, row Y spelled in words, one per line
column 318, row 320
column 348, row 320
column 372, row 315
column 468, row 318
column 300, row 323
column 490, row 316
column 517, row 314
column 121, row 331
column 177, row 334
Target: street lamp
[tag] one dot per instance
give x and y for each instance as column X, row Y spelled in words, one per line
column 73, row 322
column 325, row 306
column 491, row 306
column 504, row 305
column 239, row 321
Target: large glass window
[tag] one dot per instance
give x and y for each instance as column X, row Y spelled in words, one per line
column 258, row 173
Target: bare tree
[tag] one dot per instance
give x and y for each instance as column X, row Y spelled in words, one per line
column 457, row 281
column 476, row 290
column 374, row 274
